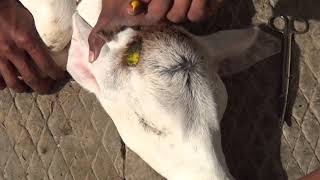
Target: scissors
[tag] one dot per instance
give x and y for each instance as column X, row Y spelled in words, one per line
column 288, row 30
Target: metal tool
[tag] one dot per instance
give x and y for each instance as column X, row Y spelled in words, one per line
column 288, row 30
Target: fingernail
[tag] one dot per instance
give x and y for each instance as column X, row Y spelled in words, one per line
column 136, row 7
column 91, row 57
column 135, row 4
column 131, row 11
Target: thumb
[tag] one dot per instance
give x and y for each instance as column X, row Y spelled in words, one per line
column 96, row 42
column 96, row 39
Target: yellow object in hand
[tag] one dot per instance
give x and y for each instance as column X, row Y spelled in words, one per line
column 135, row 4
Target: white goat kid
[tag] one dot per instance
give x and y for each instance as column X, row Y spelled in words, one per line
column 168, row 107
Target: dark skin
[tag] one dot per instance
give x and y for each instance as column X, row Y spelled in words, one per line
column 23, row 55
column 312, row 176
column 119, row 13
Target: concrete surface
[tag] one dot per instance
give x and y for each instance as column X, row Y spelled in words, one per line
column 68, row 136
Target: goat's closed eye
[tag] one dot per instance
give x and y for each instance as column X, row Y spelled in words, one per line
column 149, row 127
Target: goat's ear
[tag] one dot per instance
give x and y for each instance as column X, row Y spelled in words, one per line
column 237, row 50
column 79, row 48
column 78, row 58
column 81, row 30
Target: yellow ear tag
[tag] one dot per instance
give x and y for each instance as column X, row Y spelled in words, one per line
column 133, row 53
column 133, row 58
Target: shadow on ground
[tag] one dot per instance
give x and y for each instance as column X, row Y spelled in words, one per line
column 251, row 134
column 251, row 130
column 308, row 9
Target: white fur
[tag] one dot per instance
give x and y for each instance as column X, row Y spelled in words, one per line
column 128, row 96
column 53, row 19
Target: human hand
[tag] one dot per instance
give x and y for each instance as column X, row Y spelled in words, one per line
column 23, row 55
column 315, row 175
column 117, row 13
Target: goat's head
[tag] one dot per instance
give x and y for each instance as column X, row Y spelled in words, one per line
column 172, row 98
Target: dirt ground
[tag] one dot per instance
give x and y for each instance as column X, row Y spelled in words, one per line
column 68, row 135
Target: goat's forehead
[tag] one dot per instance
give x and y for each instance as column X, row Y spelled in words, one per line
column 168, row 49
column 161, row 48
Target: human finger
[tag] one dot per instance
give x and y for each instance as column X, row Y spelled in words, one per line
column 179, row 10
column 30, row 76
column 157, row 10
column 39, row 53
column 9, row 75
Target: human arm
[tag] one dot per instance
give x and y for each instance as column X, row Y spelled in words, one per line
column 23, row 55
